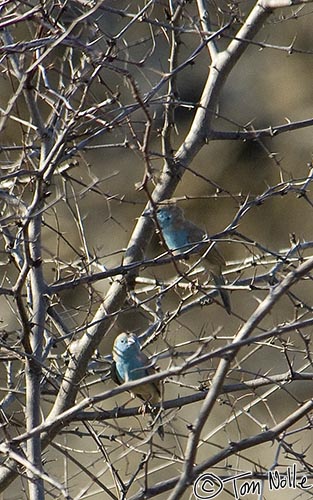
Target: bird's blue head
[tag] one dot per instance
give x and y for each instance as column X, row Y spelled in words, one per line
column 126, row 344
column 165, row 217
column 168, row 215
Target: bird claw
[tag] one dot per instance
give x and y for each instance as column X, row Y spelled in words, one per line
column 156, row 418
column 144, row 407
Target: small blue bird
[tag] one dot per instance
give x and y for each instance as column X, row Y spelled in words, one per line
column 179, row 235
column 130, row 363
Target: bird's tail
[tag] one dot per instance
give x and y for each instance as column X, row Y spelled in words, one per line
column 220, row 282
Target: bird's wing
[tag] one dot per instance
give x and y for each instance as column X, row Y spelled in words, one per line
column 145, row 361
column 196, row 235
column 114, row 374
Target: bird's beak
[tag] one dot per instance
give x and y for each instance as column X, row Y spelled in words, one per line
column 131, row 340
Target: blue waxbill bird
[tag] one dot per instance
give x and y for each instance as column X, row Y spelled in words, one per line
column 130, row 363
column 180, row 233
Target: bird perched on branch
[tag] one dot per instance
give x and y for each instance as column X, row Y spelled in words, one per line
column 130, row 363
column 180, row 235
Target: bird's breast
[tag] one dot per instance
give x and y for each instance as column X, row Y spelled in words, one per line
column 176, row 240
